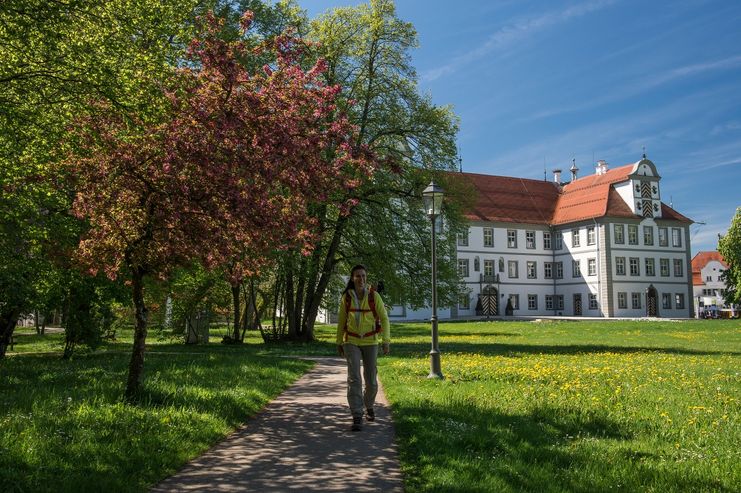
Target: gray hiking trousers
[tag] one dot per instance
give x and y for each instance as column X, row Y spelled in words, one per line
column 358, row 399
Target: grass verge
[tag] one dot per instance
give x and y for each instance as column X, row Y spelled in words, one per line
column 64, row 426
column 569, row 406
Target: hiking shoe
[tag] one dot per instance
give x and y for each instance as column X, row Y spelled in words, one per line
column 357, row 423
column 370, row 414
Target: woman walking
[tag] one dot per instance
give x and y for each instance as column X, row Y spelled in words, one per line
column 361, row 325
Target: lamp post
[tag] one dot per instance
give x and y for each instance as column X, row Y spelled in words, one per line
column 433, row 200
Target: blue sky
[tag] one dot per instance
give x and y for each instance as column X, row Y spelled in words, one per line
column 537, row 82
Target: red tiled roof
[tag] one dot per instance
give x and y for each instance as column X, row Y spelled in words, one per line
column 697, row 279
column 587, row 198
column 521, row 200
column 513, row 200
column 669, row 213
column 702, row 258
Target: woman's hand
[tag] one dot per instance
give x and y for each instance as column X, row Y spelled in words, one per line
column 340, row 350
column 386, row 348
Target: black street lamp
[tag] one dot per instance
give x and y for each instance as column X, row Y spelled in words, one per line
column 433, row 199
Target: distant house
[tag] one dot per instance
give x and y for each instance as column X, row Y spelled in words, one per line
column 707, row 287
column 603, row 245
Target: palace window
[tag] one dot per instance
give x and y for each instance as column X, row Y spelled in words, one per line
column 650, row 267
column 678, row 267
column 619, row 266
column 619, row 234
column 515, row 300
column 559, row 240
column 679, row 300
column 489, row 268
column 463, row 238
column 635, row 269
column 464, row 302
column 648, row 235
column 663, row 238
column 530, row 239
column 463, row 267
column 549, row 302
column 632, row 234
column 488, row 237
column 676, row 237
column 593, row 302
column 664, row 267
column 666, row 301
column 622, row 300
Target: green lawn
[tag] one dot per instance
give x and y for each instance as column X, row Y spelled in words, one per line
column 64, row 426
column 569, row 406
column 525, row 406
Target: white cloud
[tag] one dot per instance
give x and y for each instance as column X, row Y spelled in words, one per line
column 623, row 91
column 514, row 32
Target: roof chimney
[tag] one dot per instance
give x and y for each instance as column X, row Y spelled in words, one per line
column 574, row 170
column 557, row 176
column 601, row 167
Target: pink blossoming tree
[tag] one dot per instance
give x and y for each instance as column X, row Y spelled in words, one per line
column 227, row 174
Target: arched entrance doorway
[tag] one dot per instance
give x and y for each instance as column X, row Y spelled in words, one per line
column 652, row 301
column 488, row 304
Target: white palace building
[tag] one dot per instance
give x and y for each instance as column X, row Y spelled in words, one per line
column 603, row 245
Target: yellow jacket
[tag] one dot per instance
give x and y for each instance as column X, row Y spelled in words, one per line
column 367, row 322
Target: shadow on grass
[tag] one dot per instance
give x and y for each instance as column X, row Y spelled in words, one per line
column 458, row 447
column 66, row 427
column 496, row 348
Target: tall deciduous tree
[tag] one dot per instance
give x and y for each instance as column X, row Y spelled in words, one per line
column 227, row 174
column 367, row 51
column 730, row 247
column 55, row 56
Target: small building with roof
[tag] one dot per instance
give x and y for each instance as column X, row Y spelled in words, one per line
column 707, row 286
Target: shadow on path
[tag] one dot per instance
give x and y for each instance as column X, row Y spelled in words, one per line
column 301, row 441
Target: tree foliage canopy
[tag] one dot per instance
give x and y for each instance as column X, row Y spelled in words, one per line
column 729, row 247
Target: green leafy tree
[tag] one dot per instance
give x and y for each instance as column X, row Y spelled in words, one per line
column 380, row 223
column 55, row 56
column 729, row 247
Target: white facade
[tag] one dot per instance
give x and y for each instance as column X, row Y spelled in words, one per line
column 633, row 265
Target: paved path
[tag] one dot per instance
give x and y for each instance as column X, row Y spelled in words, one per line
column 301, row 442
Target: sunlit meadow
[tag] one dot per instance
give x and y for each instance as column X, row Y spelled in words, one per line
column 525, row 406
column 570, row 406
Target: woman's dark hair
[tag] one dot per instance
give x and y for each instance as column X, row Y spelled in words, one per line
column 350, row 284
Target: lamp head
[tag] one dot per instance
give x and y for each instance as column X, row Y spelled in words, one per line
column 433, row 199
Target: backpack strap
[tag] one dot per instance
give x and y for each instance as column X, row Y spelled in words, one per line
column 378, row 328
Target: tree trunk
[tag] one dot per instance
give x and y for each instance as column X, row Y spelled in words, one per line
column 237, row 311
column 8, row 321
column 314, row 298
column 136, row 365
column 290, row 314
